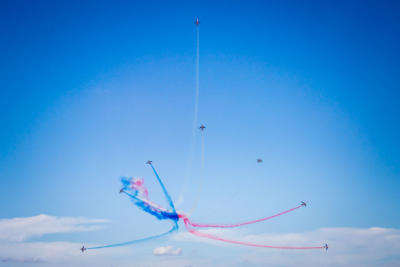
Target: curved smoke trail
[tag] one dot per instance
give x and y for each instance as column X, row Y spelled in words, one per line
column 240, row 224
column 204, row 235
column 174, row 228
column 135, row 189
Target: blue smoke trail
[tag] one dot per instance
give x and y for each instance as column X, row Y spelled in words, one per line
column 174, row 228
column 159, row 214
column 171, row 204
column 153, row 210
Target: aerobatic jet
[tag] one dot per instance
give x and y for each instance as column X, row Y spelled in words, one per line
column 304, row 204
column 326, row 246
column 197, row 22
column 149, row 162
column 202, row 127
column 259, row 160
column 83, row 249
column 120, row 191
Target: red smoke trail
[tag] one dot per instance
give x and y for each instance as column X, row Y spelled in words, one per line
column 239, row 224
column 204, row 235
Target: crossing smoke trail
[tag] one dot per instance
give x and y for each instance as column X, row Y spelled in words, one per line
column 134, row 188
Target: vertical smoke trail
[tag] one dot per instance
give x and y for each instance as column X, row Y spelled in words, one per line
column 194, row 127
column 202, row 153
column 196, row 106
column 199, row 189
column 202, row 149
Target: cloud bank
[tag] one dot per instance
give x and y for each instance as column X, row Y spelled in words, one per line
column 375, row 246
column 20, row 229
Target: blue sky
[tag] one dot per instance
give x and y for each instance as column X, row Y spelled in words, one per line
column 90, row 91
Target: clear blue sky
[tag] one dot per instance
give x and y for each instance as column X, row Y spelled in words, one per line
column 90, row 90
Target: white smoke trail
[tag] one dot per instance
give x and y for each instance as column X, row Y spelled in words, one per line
column 200, row 181
column 189, row 165
column 196, row 104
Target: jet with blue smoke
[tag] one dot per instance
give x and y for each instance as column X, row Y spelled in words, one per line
column 135, row 189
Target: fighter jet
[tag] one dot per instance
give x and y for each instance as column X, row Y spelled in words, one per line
column 149, row 162
column 259, row 160
column 83, row 249
column 202, row 127
column 120, row 191
column 326, row 246
column 197, row 22
column 304, row 204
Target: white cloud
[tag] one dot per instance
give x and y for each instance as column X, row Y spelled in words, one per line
column 21, row 260
column 167, row 251
column 20, row 229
